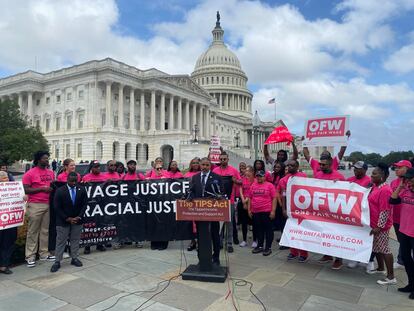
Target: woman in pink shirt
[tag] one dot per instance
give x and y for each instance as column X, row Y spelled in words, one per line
column 244, row 219
column 259, row 165
column 262, row 207
column 193, row 170
column 157, row 172
column 381, row 222
column 173, row 171
column 404, row 196
column 94, row 174
column 68, row 167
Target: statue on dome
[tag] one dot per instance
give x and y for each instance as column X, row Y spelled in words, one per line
column 218, row 18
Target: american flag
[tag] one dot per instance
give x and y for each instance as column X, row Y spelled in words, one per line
column 272, row 101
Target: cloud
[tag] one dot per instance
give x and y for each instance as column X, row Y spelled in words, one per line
column 402, row 60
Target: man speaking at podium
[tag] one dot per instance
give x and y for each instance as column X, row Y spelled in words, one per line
column 207, row 184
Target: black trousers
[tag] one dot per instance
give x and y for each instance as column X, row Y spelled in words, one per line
column 407, row 249
column 7, row 239
column 398, row 233
column 215, row 238
column 264, row 229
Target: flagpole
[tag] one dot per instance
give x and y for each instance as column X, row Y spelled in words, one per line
column 275, row 110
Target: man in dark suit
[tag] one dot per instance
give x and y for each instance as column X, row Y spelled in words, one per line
column 70, row 205
column 207, row 184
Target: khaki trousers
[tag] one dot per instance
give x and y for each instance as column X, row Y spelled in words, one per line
column 37, row 230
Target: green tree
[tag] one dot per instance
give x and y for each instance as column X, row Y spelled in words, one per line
column 395, row 156
column 373, row 158
column 355, row 156
column 18, row 140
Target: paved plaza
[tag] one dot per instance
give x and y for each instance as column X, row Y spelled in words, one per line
column 134, row 274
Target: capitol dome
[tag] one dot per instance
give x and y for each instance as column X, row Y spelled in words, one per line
column 218, row 70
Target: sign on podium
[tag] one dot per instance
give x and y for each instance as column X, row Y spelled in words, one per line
column 203, row 210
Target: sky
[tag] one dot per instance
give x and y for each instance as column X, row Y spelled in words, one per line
column 315, row 57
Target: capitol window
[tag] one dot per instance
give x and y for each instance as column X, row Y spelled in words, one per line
column 58, row 98
column 68, row 122
column 47, row 125
column 69, row 96
column 80, row 94
column 57, row 124
column 47, row 100
column 80, row 120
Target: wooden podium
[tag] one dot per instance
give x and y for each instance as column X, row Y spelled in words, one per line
column 204, row 211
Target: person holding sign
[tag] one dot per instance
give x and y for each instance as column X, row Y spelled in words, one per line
column 7, row 239
column 70, row 205
column 381, row 222
column 293, row 170
column 262, row 208
column 403, row 195
column 37, row 185
column 327, row 172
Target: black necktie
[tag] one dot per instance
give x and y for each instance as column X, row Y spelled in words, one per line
column 203, row 182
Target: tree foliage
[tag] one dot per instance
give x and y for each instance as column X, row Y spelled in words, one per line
column 18, row 140
column 375, row 158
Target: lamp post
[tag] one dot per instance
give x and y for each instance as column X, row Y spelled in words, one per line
column 256, row 124
column 195, row 131
column 237, row 139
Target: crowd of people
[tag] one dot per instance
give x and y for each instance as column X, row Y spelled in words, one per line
column 258, row 202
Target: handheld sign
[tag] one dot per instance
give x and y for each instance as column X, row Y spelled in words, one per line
column 215, row 150
column 328, row 131
column 12, row 205
column 280, row 134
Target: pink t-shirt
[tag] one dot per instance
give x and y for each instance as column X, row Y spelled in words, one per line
column 378, row 200
column 269, row 177
column 112, row 176
column 282, row 185
column 63, row 177
column 152, row 174
column 334, row 175
column 407, row 212
column 174, row 175
column 396, row 212
column 314, row 164
column 134, row 176
column 38, row 178
column 228, row 171
column 246, row 184
column 364, row 181
column 261, row 197
column 93, row 178
column 191, row 174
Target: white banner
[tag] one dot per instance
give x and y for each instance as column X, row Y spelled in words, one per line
column 327, row 217
column 327, row 131
column 12, row 205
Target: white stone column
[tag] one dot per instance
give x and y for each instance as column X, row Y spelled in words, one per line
column 162, row 112
column 171, row 113
column 152, row 118
column 187, row 115
column 108, row 105
column 201, row 121
column 226, row 104
column 214, row 123
column 194, row 114
column 132, row 109
column 180, row 114
column 30, row 107
column 142, row 112
column 208, row 123
column 121, row 106
column 221, row 101
column 20, row 101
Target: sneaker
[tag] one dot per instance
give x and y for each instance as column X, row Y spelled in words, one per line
column 55, row 267
column 337, row 264
column 302, row 259
column 76, row 262
column 325, row 259
column 31, row 263
column 352, row 264
column 387, row 281
column 407, row 289
column 257, row 250
column 267, row 252
column 139, row 244
column 398, row 266
column 254, row 244
column 291, row 257
column 370, row 266
column 243, row 244
column 48, row 258
column 376, row 271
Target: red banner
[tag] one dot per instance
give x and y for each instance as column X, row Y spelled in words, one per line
column 280, row 134
column 203, row 210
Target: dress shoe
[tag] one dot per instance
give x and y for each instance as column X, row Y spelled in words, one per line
column 407, row 289
column 87, row 250
column 6, row 271
column 230, row 249
column 216, row 261
column 55, row 267
column 76, row 262
column 236, row 240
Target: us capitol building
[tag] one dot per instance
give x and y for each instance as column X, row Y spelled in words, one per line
column 105, row 109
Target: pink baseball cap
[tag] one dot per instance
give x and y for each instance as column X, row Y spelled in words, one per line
column 403, row 163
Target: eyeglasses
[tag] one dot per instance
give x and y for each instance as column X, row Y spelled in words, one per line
column 159, row 168
column 223, row 159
